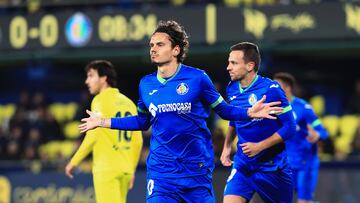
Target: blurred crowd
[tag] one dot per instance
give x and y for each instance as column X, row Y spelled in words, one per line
column 30, row 125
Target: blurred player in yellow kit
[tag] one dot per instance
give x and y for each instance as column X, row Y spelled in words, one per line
column 115, row 153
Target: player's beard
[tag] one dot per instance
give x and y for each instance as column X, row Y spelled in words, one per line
column 241, row 77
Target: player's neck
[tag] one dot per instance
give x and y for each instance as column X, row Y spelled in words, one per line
column 104, row 87
column 289, row 96
column 168, row 70
column 248, row 79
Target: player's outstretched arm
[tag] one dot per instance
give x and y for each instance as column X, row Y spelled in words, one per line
column 259, row 110
column 93, row 121
column 264, row 110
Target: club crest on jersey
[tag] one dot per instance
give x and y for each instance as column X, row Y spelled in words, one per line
column 252, row 99
column 182, row 88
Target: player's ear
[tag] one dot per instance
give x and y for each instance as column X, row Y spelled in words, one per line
column 250, row 66
column 103, row 78
column 176, row 50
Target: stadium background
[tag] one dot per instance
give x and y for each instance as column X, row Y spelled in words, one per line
column 44, row 46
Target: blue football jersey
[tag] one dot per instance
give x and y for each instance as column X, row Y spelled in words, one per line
column 180, row 145
column 255, row 130
column 302, row 153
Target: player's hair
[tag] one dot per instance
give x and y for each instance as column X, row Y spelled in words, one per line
column 287, row 78
column 251, row 53
column 104, row 68
column 177, row 35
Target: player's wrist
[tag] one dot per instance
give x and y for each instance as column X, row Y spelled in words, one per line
column 226, row 150
column 263, row 145
column 249, row 113
column 102, row 122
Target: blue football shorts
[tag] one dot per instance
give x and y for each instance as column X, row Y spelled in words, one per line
column 305, row 181
column 272, row 186
column 178, row 190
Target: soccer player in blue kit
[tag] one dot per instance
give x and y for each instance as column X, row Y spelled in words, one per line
column 175, row 101
column 302, row 148
column 260, row 163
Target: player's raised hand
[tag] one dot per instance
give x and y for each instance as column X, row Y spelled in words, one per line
column 90, row 122
column 264, row 110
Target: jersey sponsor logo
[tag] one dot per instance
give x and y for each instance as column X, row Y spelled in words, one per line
column 152, row 92
column 252, row 99
column 274, row 86
column 150, row 186
column 153, row 109
column 182, row 88
column 180, row 108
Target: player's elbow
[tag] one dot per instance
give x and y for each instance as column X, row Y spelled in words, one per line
column 291, row 131
column 288, row 130
column 145, row 126
column 324, row 135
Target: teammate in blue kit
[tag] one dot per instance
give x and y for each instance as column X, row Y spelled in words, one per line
column 175, row 101
column 260, row 164
column 302, row 148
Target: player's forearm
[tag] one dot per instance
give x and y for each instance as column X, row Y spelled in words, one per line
column 270, row 141
column 230, row 112
column 85, row 148
column 288, row 128
column 105, row 122
column 80, row 154
column 230, row 136
column 130, row 123
column 322, row 132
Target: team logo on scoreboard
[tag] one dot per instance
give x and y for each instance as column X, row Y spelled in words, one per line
column 182, row 88
column 78, row 30
column 252, row 99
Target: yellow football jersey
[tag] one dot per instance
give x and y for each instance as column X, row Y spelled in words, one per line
column 112, row 149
